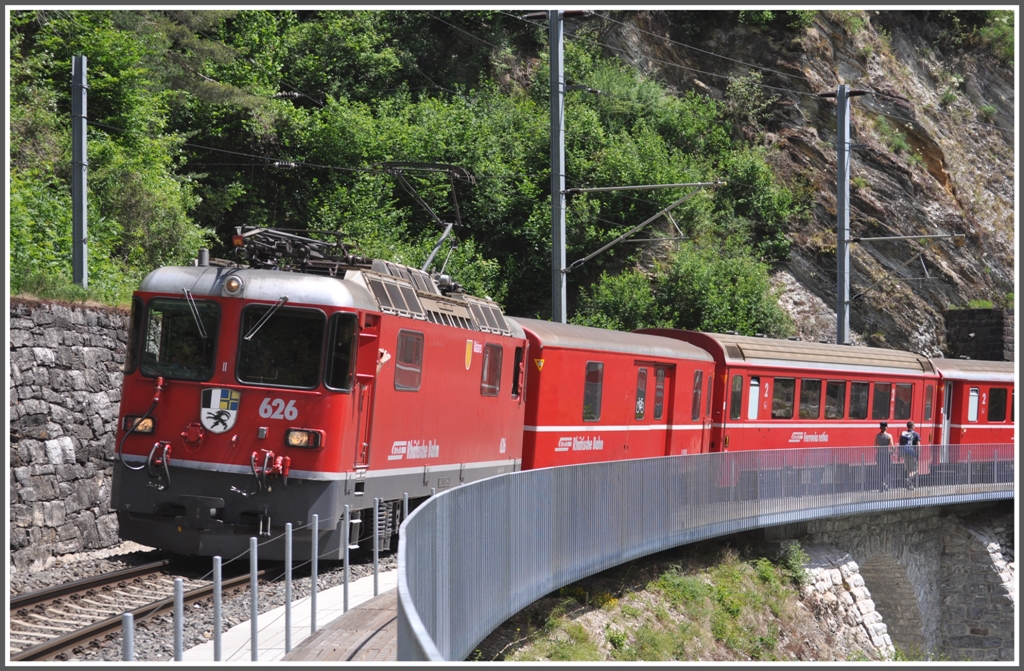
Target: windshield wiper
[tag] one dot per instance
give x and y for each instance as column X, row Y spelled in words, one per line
column 270, row 313
column 195, row 312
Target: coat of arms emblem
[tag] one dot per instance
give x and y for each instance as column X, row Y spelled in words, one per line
column 219, row 409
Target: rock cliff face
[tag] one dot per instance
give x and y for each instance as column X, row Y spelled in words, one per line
column 933, row 154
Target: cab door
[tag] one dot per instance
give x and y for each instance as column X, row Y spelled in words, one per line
column 366, row 376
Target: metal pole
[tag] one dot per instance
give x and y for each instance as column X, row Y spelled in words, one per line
column 347, row 527
column 405, row 506
column 128, row 637
column 217, row 617
column 79, row 172
column 312, row 584
column 179, row 617
column 557, row 102
column 968, row 467
column 288, row 587
column 376, row 541
column 253, row 610
column 842, row 215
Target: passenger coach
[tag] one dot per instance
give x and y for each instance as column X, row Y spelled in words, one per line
column 599, row 395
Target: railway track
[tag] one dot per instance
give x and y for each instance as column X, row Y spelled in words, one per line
column 47, row 623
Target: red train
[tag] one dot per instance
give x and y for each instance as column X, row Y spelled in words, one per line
column 254, row 397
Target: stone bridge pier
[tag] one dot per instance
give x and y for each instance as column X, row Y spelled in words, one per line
column 941, row 579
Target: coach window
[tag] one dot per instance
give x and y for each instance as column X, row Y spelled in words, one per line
column 281, row 346
column 698, row 379
column 341, row 351
column 408, row 360
column 782, row 398
column 996, row 404
column 880, row 402
column 810, row 399
column 859, row 400
column 835, row 397
column 736, row 397
column 592, row 384
column 754, row 399
column 659, row 392
column 929, row 395
column 490, row 378
column 640, row 408
column 972, row 405
column 904, row 396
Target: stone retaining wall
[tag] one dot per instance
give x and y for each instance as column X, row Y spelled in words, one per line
column 983, row 334
column 841, row 596
column 65, row 388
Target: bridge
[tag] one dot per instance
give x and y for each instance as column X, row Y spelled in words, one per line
column 475, row 555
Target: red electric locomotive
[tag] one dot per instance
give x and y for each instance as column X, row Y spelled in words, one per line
column 256, row 397
column 599, row 395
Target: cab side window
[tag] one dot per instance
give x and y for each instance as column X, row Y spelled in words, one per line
column 408, row 361
column 490, row 377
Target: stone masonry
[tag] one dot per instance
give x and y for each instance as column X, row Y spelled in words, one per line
column 981, row 334
column 841, row 596
column 940, row 581
column 979, row 593
column 65, row 388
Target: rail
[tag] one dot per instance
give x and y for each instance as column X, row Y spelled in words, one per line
column 470, row 558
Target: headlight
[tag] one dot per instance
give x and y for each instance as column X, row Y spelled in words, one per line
column 302, row 438
column 145, row 426
column 233, row 285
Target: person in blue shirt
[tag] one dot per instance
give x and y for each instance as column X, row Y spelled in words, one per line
column 910, row 441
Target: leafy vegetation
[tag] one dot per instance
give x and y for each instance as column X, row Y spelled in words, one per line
column 717, row 602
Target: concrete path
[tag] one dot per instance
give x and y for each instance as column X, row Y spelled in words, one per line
column 235, row 643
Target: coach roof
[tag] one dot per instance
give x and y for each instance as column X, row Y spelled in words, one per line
column 555, row 334
column 976, row 371
column 259, row 285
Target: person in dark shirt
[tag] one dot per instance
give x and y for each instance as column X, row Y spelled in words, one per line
column 910, row 441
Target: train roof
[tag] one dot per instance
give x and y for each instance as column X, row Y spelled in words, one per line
column 259, row 285
column 972, row 370
column 571, row 336
column 771, row 351
column 384, row 287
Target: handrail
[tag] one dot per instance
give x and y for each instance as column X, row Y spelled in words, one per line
column 475, row 555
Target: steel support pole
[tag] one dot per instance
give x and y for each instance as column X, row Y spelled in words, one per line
column 288, row 587
column 179, row 618
column 345, row 540
column 128, row 637
column 557, row 102
column 253, row 605
column 217, row 615
column 313, row 568
column 376, row 543
column 79, row 172
column 842, row 215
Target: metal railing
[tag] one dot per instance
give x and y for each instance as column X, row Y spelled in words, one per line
column 473, row 556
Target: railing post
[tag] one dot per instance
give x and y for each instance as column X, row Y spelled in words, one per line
column 179, row 617
column 288, row 587
column 253, row 606
column 128, row 637
column 995, row 466
column 376, row 541
column 862, row 477
column 969, row 467
column 217, row 617
column 313, row 566
column 405, row 506
column 347, row 527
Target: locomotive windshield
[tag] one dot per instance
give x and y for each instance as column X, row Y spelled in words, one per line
column 180, row 339
column 285, row 350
